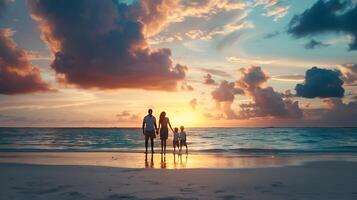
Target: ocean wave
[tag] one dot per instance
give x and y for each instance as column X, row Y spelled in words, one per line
column 236, row 151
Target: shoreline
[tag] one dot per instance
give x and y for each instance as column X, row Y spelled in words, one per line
column 168, row 161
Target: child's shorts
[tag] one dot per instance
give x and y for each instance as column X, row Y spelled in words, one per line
column 176, row 143
column 183, row 143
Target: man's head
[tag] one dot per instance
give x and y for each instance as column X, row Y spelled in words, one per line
column 150, row 111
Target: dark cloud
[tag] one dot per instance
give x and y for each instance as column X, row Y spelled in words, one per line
column 17, row 75
column 322, row 83
column 266, row 101
column 313, row 44
column 208, row 80
column 101, row 44
column 252, row 77
column 339, row 113
column 193, row 103
column 327, row 16
column 271, row 35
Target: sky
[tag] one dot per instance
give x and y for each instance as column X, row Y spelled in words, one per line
column 206, row 63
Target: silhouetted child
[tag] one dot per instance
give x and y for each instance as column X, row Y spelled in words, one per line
column 176, row 138
column 183, row 138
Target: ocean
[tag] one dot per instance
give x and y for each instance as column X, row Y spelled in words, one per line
column 245, row 141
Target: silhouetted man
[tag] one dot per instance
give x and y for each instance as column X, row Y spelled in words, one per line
column 149, row 129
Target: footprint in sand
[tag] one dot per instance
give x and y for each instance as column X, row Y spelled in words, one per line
column 175, row 198
column 30, row 190
column 121, row 196
column 152, row 182
column 186, row 190
column 219, row 191
column 228, row 197
column 277, row 184
column 73, row 195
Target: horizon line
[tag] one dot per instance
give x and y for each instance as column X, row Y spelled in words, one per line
column 131, row 127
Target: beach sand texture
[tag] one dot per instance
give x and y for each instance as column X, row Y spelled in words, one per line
column 313, row 180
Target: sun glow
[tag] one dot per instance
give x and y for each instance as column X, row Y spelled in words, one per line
column 188, row 118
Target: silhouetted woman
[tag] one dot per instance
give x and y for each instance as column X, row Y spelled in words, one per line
column 164, row 122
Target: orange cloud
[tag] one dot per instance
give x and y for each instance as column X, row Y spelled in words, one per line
column 17, row 75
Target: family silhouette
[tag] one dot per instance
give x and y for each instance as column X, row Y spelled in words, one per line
column 150, row 130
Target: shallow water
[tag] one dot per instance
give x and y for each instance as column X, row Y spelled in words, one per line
column 166, row 161
column 206, row 140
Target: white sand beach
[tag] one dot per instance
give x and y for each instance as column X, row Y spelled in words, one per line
column 311, row 180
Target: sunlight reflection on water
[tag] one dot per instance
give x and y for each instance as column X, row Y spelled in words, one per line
column 159, row 161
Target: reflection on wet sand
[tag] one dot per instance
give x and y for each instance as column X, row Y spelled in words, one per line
column 168, row 161
column 151, row 164
column 163, row 161
column 178, row 161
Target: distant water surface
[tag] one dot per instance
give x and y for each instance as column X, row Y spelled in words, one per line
column 205, row 140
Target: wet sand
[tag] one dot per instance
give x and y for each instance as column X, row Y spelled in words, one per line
column 334, row 179
column 169, row 161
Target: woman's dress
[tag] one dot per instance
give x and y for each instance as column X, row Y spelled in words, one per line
column 164, row 131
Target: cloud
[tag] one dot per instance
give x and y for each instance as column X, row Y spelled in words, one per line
column 290, row 78
column 339, row 113
column 267, row 3
column 274, row 8
column 127, row 116
column 277, row 12
column 208, row 80
column 313, row 44
column 203, row 9
column 349, row 72
column 229, row 40
column 272, row 35
column 214, row 116
column 216, row 72
column 249, row 61
column 266, row 101
column 102, row 44
column 226, row 91
column 224, row 97
column 326, row 16
column 193, row 103
column 196, row 27
column 322, row 83
column 187, row 87
column 252, row 78
column 35, row 55
column 17, row 75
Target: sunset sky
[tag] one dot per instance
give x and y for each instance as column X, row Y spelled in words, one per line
column 205, row 62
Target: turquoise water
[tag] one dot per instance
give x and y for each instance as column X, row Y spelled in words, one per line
column 206, row 140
